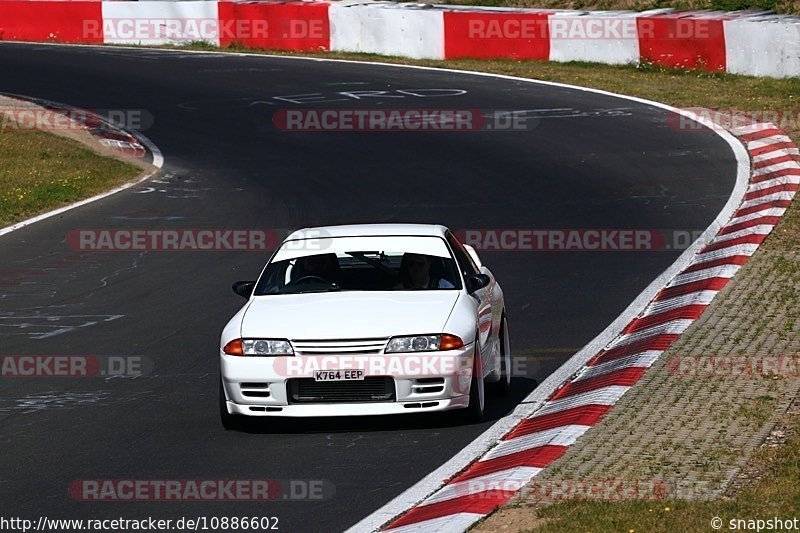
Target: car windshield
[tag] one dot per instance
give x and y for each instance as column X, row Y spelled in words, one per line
column 395, row 263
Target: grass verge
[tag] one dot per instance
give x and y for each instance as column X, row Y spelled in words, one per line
column 41, row 171
column 775, row 494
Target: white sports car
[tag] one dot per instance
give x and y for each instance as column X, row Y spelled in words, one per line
column 365, row 320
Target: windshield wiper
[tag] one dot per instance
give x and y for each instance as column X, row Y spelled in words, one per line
column 329, row 289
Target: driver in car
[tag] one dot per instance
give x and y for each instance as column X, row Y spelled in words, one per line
column 415, row 273
column 324, row 266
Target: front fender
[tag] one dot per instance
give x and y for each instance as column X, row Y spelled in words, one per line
column 463, row 319
column 233, row 329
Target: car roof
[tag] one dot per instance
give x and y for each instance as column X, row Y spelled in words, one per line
column 369, row 230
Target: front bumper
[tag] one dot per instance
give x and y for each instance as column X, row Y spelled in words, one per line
column 434, row 381
column 349, row 409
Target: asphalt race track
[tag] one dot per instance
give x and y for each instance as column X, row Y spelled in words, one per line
column 584, row 160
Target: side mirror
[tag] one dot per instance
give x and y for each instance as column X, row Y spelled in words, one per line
column 244, row 288
column 474, row 255
column 476, row 282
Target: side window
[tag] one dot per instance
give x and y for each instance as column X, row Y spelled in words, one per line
column 465, row 263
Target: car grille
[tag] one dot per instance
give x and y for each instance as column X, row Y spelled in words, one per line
column 370, row 389
column 338, row 346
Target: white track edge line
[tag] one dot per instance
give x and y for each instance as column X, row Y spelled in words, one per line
column 538, row 396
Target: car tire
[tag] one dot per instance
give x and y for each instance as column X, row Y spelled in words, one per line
column 503, row 385
column 229, row 422
column 476, row 410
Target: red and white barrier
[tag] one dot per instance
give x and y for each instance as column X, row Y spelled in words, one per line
column 488, row 34
column 388, row 30
column 47, row 21
column 583, row 400
column 159, row 22
column 302, row 26
column 741, row 43
column 763, row 46
column 682, row 40
column 601, row 37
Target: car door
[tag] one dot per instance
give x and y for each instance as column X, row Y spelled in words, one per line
column 483, row 297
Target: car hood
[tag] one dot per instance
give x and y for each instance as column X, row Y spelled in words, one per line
column 348, row 315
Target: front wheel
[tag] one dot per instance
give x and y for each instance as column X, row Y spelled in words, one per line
column 476, row 409
column 503, row 385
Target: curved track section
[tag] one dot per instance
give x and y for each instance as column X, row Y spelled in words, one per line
column 584, row 160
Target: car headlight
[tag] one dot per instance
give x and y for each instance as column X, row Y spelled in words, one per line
column 267, row 347
column 423, row 343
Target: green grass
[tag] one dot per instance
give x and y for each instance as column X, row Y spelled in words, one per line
column 777, row 494
column 40, row 171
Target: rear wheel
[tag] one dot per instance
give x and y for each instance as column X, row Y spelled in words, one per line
column 477, row 393
column 229, row 421
column 503, row 385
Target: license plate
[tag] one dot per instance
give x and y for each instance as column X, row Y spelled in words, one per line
column 338, row 375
